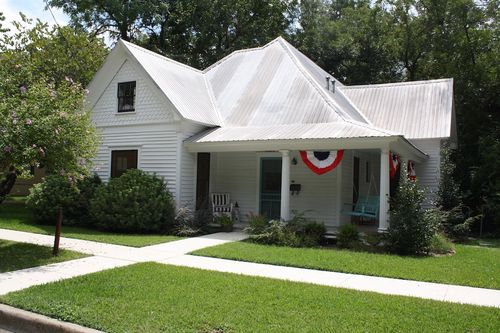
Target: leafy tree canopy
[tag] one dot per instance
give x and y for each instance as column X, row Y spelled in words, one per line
column 42, row 121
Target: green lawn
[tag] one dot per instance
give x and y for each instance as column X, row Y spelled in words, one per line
column 150, row 297
column 18, row 217
column 14, row 256
column 471, row 265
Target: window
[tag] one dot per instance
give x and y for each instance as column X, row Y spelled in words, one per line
column 122, row 160
column 126, row 96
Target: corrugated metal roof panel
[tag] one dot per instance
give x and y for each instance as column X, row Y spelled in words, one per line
column 420, row 109
column 272, row 85
column 183, row 85
column 335, row 130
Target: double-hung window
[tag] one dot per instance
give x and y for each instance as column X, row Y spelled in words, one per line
column 126, row 96
column 122, row 160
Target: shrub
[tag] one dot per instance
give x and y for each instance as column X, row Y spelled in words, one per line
column 448, row 195
column 225, row 222
column 202, row 218
column 48, row 196
column 441, row 245
column 87, row 188
column 134, row 202
column 257, row 224
column 410, row 230
column 184, row 223
column 347, row 236
column 312, row 233
column 299, row 231
column 278, row 233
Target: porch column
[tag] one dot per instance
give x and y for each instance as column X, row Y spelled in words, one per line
column 383, row 222
column 285, row 185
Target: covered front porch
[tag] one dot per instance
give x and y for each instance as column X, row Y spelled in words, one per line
column 277, row 183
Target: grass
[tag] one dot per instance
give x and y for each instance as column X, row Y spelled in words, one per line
column 470, row 266
column 18, row 217
column 15, row 256
column 150, row 297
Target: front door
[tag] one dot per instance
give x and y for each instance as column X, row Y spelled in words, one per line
column 270, row 187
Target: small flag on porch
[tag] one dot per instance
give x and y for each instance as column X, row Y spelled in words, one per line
column 412, row 175
column 393, row 164
column 321, row 162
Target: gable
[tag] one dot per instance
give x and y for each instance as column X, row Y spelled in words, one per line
column 150, row 107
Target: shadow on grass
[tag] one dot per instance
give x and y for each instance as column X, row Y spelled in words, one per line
column 15, row 256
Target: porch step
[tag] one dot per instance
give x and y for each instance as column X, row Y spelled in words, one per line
column 330, row 235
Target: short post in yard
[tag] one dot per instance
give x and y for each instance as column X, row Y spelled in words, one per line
column 57, row 237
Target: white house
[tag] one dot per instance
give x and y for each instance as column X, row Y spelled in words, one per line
column 240, row 125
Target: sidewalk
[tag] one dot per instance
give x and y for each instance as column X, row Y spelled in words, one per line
column 389, row 286
column 108, row 256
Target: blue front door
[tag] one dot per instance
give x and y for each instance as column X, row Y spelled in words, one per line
column 270, row 187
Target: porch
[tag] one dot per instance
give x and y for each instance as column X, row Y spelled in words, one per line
column 278, row 183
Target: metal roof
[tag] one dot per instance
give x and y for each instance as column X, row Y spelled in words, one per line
column 183, row 85
column 417, row 109
column 274, row 85
column 276, row 92
column 335, row 130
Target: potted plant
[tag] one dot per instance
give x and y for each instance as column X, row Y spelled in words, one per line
column 225, row 222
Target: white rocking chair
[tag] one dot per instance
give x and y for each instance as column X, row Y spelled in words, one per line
column 222, row 205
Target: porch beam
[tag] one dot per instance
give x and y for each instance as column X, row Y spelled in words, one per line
column 383, row 222
column 285, row 185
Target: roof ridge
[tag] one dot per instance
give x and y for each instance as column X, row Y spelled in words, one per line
column 310, row 79
column 211, row 96
column 393, row 84
column 250, row 49
column 155, row 54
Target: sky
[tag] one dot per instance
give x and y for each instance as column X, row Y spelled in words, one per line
column 32, row 9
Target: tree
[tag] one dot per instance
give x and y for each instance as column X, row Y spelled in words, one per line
column 42, row 120
column 196, row 32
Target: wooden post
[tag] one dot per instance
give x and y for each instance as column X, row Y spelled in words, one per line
column 57, row 236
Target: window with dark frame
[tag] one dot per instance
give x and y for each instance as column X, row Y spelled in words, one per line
column 126, row 96
column 121, row 161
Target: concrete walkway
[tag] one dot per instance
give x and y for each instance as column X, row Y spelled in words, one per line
column 108, row 256
column 428, row 290
column 105, row 256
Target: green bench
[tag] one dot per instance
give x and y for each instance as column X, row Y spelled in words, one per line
column 366, row 207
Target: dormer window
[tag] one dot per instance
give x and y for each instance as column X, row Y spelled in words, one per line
column 126, row 96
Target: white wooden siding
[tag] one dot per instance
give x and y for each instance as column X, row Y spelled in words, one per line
column 156, row 147
column 150, row 106
column 152, row 129
column 347, row 165
column 236, row 173
column 318, row 194
column 428, row 172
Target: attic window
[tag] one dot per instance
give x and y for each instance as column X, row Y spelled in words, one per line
column 126, row 96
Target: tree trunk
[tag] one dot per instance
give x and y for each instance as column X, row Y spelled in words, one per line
column 7, row 184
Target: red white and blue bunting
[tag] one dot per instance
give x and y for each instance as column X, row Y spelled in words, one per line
column 393, row 164
column 321, row 162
